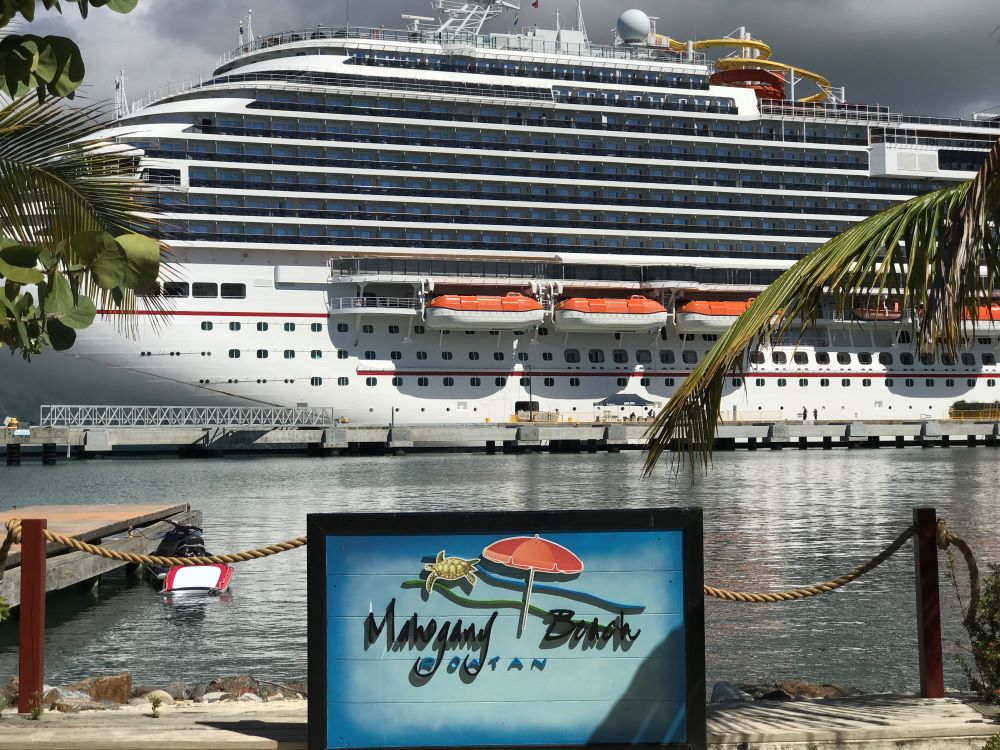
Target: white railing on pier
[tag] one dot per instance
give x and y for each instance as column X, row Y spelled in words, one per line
column 52, row 415
column 346, row 304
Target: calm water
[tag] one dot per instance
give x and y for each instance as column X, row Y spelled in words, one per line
column 772, row 520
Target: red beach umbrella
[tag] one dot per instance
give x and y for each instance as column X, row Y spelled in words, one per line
column 532, row 553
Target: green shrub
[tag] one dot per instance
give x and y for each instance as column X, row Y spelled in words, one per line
column 980, row 659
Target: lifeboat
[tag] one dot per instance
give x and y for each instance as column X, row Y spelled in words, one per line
column 709, row 316
column 987, row 319
column 887, row 312
column 634, row 314
column 476, row 312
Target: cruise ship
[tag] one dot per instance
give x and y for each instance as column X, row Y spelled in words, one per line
column 435, row 224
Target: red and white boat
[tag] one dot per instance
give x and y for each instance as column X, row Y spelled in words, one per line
column 589, row 314
column 709, row 316
column 197, row 579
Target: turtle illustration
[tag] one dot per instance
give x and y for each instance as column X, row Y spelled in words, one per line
column 450, row 569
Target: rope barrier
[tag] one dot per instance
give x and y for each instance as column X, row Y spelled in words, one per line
column 945, row 539
column 816, row 589
column 14, row 535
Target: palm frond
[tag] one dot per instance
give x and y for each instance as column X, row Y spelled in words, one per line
column 928, row 253
column 59, row 177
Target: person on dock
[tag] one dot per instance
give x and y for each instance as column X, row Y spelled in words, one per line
column 805, row 414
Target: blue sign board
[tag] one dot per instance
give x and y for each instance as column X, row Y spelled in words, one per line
column 516, row 629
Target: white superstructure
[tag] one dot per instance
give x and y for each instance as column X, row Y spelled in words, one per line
column 323, row 186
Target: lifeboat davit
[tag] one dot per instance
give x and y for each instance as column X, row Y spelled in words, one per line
column 634, row 314
column 987, row 319
column 709, row 316
column 477, row 312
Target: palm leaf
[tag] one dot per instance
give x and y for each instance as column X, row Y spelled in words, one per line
column 59, row 177
column 929, row 253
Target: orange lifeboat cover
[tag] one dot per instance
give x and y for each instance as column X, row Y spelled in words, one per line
column 985, row 312
column 635, row 305
column 718, row 308
column 511, row 303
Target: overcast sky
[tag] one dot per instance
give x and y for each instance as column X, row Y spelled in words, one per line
column 936, row 57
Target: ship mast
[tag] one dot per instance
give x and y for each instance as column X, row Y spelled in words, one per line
column 463, row 17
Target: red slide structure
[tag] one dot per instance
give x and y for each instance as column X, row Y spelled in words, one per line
column 766, row 83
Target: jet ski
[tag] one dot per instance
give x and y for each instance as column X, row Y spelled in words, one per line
column 186, row 541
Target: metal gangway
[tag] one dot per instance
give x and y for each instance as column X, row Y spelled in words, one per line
column 269, row 417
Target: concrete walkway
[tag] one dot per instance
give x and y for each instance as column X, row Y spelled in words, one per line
column 872, row 723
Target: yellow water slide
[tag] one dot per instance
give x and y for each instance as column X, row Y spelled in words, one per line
column 763, row 61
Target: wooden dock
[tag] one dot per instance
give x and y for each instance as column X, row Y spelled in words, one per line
column 128, row 528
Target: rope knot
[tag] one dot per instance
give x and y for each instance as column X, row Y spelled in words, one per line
column 13, row 535
column 944, row 537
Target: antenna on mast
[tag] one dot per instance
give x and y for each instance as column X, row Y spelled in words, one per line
column 465, row 17
column 580, row 25
column 121, row 100
column 250, row 25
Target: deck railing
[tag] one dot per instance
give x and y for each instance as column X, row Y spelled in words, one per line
column 184, row 416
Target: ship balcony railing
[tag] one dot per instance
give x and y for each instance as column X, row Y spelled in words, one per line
column 452, row 39
column 373, row 305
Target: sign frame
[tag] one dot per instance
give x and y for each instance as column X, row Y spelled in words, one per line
column 321, row 526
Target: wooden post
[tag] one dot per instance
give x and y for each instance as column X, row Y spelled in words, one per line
column 32, row 615
column 925, row 559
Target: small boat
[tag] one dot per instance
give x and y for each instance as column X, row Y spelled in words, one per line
column 885, row 312
column 987, row 319
column 197, row 579
column 632, row 314
column 480, row 312
column 709, row 316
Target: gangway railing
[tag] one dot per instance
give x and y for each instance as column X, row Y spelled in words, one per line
column 347, row 304
column 59, row 415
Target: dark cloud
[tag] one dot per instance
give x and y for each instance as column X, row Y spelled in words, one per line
column 924, row 57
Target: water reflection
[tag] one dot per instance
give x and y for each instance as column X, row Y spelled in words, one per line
column 772, row 520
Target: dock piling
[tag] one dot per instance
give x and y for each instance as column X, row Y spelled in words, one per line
column 32, row 615
column 925, row 559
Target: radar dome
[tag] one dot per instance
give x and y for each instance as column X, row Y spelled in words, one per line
column 633, row 26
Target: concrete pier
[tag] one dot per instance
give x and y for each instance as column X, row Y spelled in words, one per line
column 49, row 444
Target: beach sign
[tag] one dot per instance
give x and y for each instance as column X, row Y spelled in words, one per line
column 563, row 628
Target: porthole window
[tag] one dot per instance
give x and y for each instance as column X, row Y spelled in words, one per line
column 543, row 331
column 667, row 357
column 393, row 329
column 843, row 358
column 422, row 382
column 620, row 356
column 949, row 383
column 572, row 356
column 824, row 382
column 418, row 329
column 525, row 382
column 234, row 326
column 262, row 354
column 803, row 382
column 757, row 358
column 175, row 289
column 546, row 356
column 737, row 382
column 889, row 382
column 316, row 354
column 989, row 358
column 522, row 356
column 864, row 358
column 316, row 327
column 234, row 353
column 395, row 356
column 289, row 354
column 709, row 337
column 991, row 383
column 971, row 382
column 927, row 358
column 289, row 327
column 549, row 381
column 929, row 382
column 596, row 356
column 421, row 355
column 369, row 354
column 371, row 381
column 262, row 327
column 759, row 382
column 319, row 381
column 906, row 358
column 367, row 329
column 446, row 355
column 204, row 290
column 397, row 381
column 947, row 360
column 845, row 382
column 475, row 381
column 689, row 357
column 643, row 356
column 342, row 354
column 968, row 359
column 342, row 381
column 500, row 382
column 908, row 382
column 687, row 337
column 885, row 358
column 822, row 358
column 574, row 382
column 622, row 382
column 234, row 291
column 800, row 358
column 342, row 328
column 778, row 358
column 782, row 382
column 866, row 382
column 206, row 325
